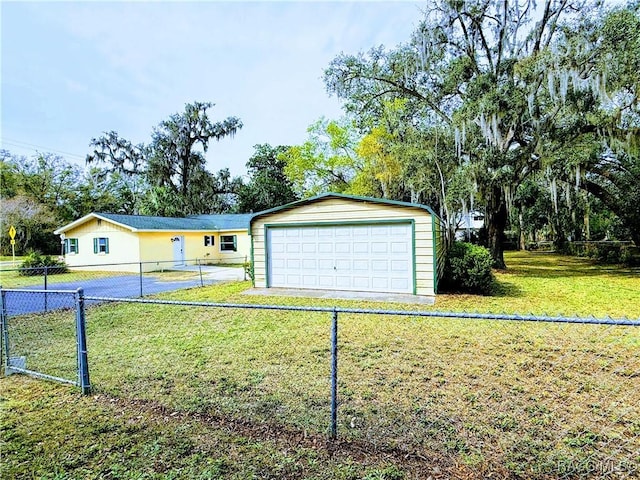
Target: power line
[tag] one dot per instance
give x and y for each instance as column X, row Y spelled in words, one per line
column 26, row 145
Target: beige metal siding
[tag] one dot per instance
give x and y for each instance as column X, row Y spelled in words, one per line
column 338, row 210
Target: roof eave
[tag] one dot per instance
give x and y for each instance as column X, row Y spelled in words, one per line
column 304, row 201
column 85, row 219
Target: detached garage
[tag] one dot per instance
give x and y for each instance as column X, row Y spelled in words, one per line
column 341, row 242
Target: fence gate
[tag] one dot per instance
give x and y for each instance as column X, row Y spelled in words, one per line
column 44, row 335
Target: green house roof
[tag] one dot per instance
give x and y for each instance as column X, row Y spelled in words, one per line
column 192, row 222
column 150, row 223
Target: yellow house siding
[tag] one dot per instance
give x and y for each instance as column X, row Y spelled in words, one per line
column 157, row 246
column 154, row 249
column 123, row 246
column 335, row 210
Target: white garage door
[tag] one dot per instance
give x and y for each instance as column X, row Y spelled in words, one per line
column 374, row 258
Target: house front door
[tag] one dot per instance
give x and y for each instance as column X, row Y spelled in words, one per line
column 178, row 250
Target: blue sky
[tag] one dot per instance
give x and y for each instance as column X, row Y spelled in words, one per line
column 72, row 70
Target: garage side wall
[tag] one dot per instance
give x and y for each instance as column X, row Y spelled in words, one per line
column 341, row 211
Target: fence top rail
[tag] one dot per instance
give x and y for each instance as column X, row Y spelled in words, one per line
column 407, row 313
column 196, row 261
column 41, row 290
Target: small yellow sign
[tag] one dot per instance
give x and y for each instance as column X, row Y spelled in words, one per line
column 13, row 242
column 12, row 233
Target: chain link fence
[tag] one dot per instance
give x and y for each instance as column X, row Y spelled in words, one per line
column 128, row 279
column 511, row 395
column 43, row 335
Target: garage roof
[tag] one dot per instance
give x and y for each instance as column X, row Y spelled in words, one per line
column 380, row 201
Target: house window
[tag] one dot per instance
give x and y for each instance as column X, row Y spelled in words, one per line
column 70, row 246
column 228, row 243
column 101, row 245
column 209, row 241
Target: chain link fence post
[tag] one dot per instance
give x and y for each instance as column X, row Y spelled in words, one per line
column 81, row 336
column 141, row 293
column 4, row 341
column 46, row 287
column 334, row 375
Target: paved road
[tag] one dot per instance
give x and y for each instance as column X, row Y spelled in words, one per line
column 122, row 286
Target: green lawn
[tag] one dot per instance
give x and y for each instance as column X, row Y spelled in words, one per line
column 10, row 278
column 184, row 392
column 9, row 258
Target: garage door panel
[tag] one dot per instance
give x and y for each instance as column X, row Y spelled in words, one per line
column 294, row 263
column 399, row 266
column 379, row 265
column 325, row 247
column 343, row 265
column 352, row 257
column 309, row 264
column 294, row 279
column 399, row 247
column 398, row 283
column 342, row 247
column 379, row 247
column 360, row 247
column 309, row 281
column 381, row 283
column 361, row 265
column 397, row 230
column 326, row 281
column 309, row 248
column 325, row 264
column 361, row 283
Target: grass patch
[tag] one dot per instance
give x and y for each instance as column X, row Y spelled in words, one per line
column 9, row 258
column 13, row 279
column 233, row 393
column 50, row 432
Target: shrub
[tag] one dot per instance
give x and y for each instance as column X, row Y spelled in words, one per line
column 37, row 264
column 602, row 252
column 248, row 270
column 468, row 269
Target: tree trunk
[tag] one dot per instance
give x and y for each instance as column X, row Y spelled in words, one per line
column 496, row 221
column 522, row 239
column 559, row 237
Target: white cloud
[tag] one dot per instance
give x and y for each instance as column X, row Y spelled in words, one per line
column 126, row 66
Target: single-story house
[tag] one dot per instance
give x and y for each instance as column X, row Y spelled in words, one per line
column 468, row 224
column 341, row 242
column 121, row 242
